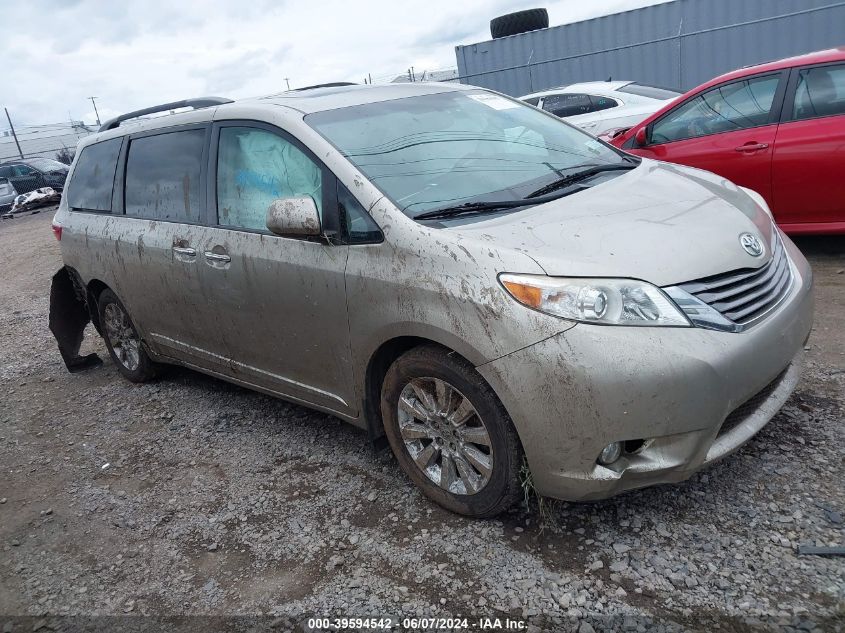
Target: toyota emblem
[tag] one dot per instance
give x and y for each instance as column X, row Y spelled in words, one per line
column 752, row 245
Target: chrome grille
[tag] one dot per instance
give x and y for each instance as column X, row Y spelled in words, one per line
column 745, row 295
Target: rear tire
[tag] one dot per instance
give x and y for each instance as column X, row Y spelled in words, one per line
column 450, row 433
column 122, row 339
column 519, row 22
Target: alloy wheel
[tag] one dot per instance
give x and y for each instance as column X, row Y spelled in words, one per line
column 122, row 336
column 445, row 436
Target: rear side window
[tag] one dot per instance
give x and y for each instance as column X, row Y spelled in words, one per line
column 92, row 183
column 163, row 176
column 820, row 92
column 24, row 170
column 564, row 105
column 602, row 103
column 533, row 100
column 726, row 108
column 256, row 167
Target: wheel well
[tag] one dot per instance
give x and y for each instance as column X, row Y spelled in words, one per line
column 95, row 287
column 377, row 368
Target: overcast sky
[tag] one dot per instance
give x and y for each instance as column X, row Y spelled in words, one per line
column 130, row 55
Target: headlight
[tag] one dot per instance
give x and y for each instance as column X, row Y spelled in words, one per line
column 604, row 301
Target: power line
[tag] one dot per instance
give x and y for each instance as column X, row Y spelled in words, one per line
column 40, row 125
column 23, row 137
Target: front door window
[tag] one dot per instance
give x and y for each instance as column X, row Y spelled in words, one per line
column 256, row 167
column 730, row 107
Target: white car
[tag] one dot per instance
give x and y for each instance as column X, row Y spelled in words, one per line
column 600, row 107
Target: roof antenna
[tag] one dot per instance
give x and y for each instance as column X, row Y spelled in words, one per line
column 609, row 78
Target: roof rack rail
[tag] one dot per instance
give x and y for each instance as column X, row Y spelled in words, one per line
column 332, row 84
column 200, row 102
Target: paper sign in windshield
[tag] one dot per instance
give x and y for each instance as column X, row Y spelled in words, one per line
column 494, row 101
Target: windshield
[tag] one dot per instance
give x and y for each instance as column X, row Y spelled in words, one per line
column 652, row 92
column 47, row 164
column 436, row 150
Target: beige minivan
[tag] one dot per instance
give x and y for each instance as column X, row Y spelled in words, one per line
column 452, row 269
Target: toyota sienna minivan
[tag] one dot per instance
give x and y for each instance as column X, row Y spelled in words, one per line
column 460, row 273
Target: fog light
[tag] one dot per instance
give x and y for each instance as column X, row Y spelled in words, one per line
column 610, row 453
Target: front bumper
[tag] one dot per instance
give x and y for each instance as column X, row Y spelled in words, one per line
column 676, row 388
column 6, row 202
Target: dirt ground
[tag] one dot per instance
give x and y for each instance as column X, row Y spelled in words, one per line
column 190, row 496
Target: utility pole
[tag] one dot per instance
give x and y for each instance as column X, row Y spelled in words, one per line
column 95, row 109
column 287, row 82
column 12, row 127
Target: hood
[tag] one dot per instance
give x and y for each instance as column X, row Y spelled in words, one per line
column 662, row 223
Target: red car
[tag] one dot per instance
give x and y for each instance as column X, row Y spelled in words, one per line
column 777, row 128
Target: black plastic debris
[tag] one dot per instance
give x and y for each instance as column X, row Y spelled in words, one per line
column 68, row 318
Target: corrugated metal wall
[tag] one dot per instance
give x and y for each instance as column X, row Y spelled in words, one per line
column 678, row 44
column 42, row 140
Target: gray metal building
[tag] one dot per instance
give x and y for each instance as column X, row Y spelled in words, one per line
column 678, row 44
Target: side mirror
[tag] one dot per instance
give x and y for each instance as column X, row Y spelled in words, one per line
column 641, row 137
column 294, row 217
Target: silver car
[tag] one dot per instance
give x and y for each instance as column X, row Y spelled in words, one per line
column 7, row 194
column 473, row 279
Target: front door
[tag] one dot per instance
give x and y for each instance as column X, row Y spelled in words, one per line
column 279, row 303
column 729, row 130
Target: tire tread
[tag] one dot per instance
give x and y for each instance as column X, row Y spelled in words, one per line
column 147, row 369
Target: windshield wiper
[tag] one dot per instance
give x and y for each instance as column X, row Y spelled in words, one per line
column 472, row 207
column 587, row 171
column 546, row 193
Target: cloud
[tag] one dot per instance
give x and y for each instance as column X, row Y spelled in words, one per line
column 135, row 54
column 231, row 76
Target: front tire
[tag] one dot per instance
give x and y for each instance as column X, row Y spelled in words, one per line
column 450, row 433
column 122, row 339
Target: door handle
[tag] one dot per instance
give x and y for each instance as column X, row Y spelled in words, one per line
column 752, row 147
column 185, row 250
column 217, row 257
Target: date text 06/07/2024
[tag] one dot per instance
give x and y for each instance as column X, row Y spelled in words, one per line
column 411, row 624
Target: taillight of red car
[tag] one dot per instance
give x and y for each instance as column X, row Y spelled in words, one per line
column 57, row 231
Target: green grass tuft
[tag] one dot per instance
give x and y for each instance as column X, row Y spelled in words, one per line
column 545, row 506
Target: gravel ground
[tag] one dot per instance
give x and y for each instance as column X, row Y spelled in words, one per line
column 192, row 496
